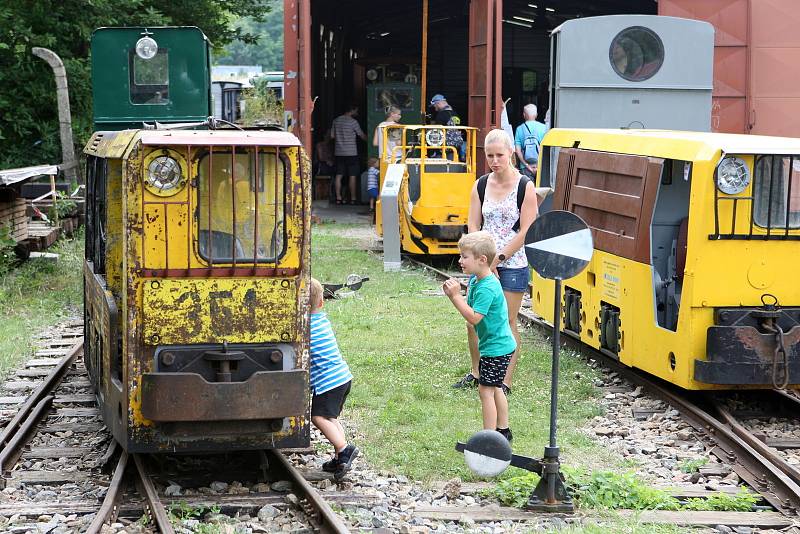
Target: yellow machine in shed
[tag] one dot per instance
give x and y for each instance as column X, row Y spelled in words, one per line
column 196, row 288
column 439, row 173
column 696, row 236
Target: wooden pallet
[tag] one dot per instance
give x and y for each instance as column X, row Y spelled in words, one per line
column 41, row 235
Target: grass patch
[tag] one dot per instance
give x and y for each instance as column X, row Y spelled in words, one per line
column 406, row 347
column 37, row 294
column 613, row 490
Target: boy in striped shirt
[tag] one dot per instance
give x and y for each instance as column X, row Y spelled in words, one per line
column 330, row 384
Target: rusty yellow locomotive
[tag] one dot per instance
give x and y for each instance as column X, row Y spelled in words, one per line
column 196, row 272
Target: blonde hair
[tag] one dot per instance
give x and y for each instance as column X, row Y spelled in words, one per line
column 392, row 109
column 501, row 137
column 480, row 243
column 315, row 291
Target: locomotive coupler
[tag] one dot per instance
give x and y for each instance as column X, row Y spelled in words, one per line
column 223, row 359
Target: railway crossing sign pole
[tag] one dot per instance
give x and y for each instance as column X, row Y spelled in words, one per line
column 558, row 246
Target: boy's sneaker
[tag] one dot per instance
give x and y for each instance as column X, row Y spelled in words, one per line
column 469, row 381
column 345, row 460
column 506, row 432
column 331, row 465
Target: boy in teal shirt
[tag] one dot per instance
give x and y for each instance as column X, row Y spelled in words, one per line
column 485, row 308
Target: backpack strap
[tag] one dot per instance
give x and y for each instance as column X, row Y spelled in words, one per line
column 482, row 181
column 523, row 183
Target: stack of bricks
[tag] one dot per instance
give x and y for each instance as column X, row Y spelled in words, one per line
column 13, row 216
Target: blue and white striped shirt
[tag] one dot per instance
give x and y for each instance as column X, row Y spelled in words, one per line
column 328, row 368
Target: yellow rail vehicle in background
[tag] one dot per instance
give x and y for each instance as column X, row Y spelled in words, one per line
column 439, row 172
column 694, row 275
column 196, row 288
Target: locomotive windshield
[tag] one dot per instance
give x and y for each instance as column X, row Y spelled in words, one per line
column 242, row 220
column 149, row 78
column 776, row 192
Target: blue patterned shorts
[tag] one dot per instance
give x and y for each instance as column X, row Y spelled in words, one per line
column 514, row 279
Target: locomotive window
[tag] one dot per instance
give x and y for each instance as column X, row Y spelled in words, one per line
column 149, row 78
column 244, row 217
column 636, row 53
column 776, row 192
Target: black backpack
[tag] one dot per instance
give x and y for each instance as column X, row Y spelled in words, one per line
column 523, row 183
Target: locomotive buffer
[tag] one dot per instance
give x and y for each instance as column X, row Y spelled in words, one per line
column 558, row 246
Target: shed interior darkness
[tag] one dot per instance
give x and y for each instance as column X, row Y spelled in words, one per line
column 350, row 37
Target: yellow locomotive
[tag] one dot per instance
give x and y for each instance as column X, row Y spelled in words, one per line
column 196, row 288
column 439, row 172
column 696, row 235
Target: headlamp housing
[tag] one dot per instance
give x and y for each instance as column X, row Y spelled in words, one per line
column 733, row 175
column 434, row 137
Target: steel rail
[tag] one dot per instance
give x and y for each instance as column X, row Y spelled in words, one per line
column 330, row 523
column 762, row 448
column 108, row 510
column 148, row 491
column 27, row 417
column 754, row 462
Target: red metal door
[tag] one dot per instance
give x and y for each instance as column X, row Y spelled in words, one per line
column 297, row 68
column 485, row 68
column 774, row 56
column 731, row 58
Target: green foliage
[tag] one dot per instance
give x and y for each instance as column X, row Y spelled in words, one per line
column 268, row 52
column 609, row 489
column 612, row 490
column 743, row 501
column 8, row 259
column 692, row 465
column 261, row 107
column 514, row 491
column 30, row 128
column 62, row 208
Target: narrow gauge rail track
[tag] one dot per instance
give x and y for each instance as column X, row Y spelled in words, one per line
column 33, row 411
column 758, row 464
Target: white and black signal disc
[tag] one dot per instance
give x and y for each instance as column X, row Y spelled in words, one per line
column 487, row 453
column 559, row 245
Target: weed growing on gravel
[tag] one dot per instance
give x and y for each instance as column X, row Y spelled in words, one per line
column 613, row 491
column 406, row 345
column 37, row 294
column 692, row 465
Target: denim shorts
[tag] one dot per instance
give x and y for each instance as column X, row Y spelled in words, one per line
column 514, row 279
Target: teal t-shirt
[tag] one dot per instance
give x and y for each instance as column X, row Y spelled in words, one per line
column 486, row 297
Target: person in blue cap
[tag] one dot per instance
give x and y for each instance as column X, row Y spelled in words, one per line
column 446, row 116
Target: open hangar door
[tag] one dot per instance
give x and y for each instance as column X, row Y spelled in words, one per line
column 370, row 53
column 526, row 44
column 478, row 53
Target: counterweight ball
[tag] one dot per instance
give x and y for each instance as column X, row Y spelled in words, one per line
column 487, row 453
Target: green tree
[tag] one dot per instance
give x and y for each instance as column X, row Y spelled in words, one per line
column 28, row 112
column 267, row 51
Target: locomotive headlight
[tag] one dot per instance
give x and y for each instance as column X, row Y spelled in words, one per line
column 733, row 175
column 164, row 176
column 434, row 137
column 146, row 47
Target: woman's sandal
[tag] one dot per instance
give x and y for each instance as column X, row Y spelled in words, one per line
column 338, row 201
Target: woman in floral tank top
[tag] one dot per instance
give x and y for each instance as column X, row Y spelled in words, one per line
column 498, row 215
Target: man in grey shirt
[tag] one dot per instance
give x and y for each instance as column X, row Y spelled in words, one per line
column 344, row 130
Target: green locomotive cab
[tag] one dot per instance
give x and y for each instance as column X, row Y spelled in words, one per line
column 155, row 74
